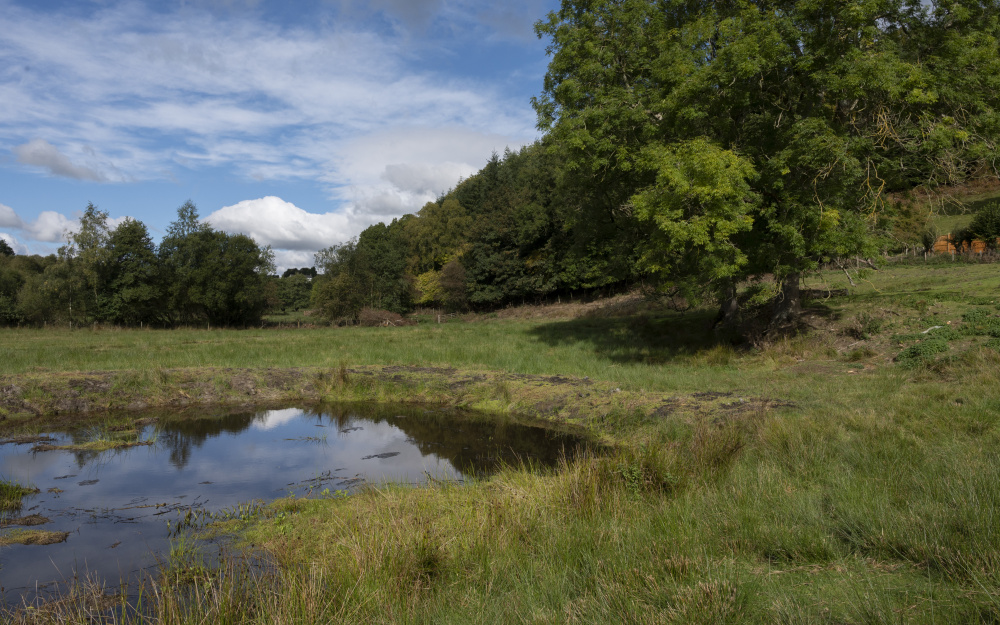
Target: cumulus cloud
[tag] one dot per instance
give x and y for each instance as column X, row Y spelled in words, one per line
column 8, row 218
column 41, row 153
column 48, row 227
column 282, row 225
column 286, row 259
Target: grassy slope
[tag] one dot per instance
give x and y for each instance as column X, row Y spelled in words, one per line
column 873, row 498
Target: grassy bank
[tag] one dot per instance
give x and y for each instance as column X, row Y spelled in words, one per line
column 849, row 474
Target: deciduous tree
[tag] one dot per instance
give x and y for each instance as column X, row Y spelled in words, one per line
column 756, row 140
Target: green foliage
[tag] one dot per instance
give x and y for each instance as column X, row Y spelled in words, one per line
column 369, row 272
column 921, row 353
column 946, row 333
column 88, row 247
column 437, row 234
column 700, row 200
column 309, row 272
column 134, row 292
column 427, row 287
column 819, row 108
column 535, row 232
column 5, row 248
column 985, row 226
column 981, row 322
column 119, row 276
column 213, row 276
column 293, row 291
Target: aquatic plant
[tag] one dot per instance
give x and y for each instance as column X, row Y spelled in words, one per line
column 12, row 493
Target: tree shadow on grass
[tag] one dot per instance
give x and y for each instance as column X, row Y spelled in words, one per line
column 639, row 339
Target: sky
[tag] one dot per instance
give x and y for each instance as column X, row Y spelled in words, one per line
column 298, row 123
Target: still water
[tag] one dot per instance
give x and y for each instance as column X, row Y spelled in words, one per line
column 116, row 504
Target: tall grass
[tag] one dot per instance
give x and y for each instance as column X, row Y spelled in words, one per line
column 12, row 495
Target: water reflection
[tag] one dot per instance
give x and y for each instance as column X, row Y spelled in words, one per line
column 115, row 504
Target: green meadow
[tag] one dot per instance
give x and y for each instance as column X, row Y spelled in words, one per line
column 847, row 473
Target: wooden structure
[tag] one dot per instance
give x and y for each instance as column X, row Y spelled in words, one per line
column 946, row 245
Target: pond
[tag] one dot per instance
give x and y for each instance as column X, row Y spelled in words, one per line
column 113, row 505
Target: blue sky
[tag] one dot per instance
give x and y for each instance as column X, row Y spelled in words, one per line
column 299, row 123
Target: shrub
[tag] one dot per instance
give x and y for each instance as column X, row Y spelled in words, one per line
column 864, row 326
column 372, row 317
column 921, row 353
column 985, row 225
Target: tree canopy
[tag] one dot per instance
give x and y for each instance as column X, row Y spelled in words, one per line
column 760, row 138
column 119, row 276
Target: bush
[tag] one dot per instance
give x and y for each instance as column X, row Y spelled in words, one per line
column 373, row 317
column 865, row 326
column 985, row 225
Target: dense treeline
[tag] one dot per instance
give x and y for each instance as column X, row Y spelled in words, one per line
column 718, row 150
column 510, row 233
column 119, row 276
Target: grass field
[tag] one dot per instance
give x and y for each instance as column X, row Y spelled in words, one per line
column 865, row 489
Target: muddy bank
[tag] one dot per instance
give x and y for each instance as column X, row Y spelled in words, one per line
column 28, row 399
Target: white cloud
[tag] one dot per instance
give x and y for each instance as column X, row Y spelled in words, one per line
column 8, row 218
column 47, row 227
column 50, row 227
column 273, row 221
column 204, row 84
column 286, row 259
column 41, row 153
column 422, row 164
column 424, row 178
column 329, row 101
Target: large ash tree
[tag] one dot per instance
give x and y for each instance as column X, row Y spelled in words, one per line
column 755, row 140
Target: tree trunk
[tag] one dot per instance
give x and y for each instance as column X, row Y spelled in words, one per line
column 788, row 304
column 729, row 308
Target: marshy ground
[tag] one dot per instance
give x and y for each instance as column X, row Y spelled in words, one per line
column 849, row 473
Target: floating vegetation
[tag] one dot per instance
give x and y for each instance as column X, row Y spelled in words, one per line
column 25, row 521
column 99, row 440
column 96, row 445
column 32, row 537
